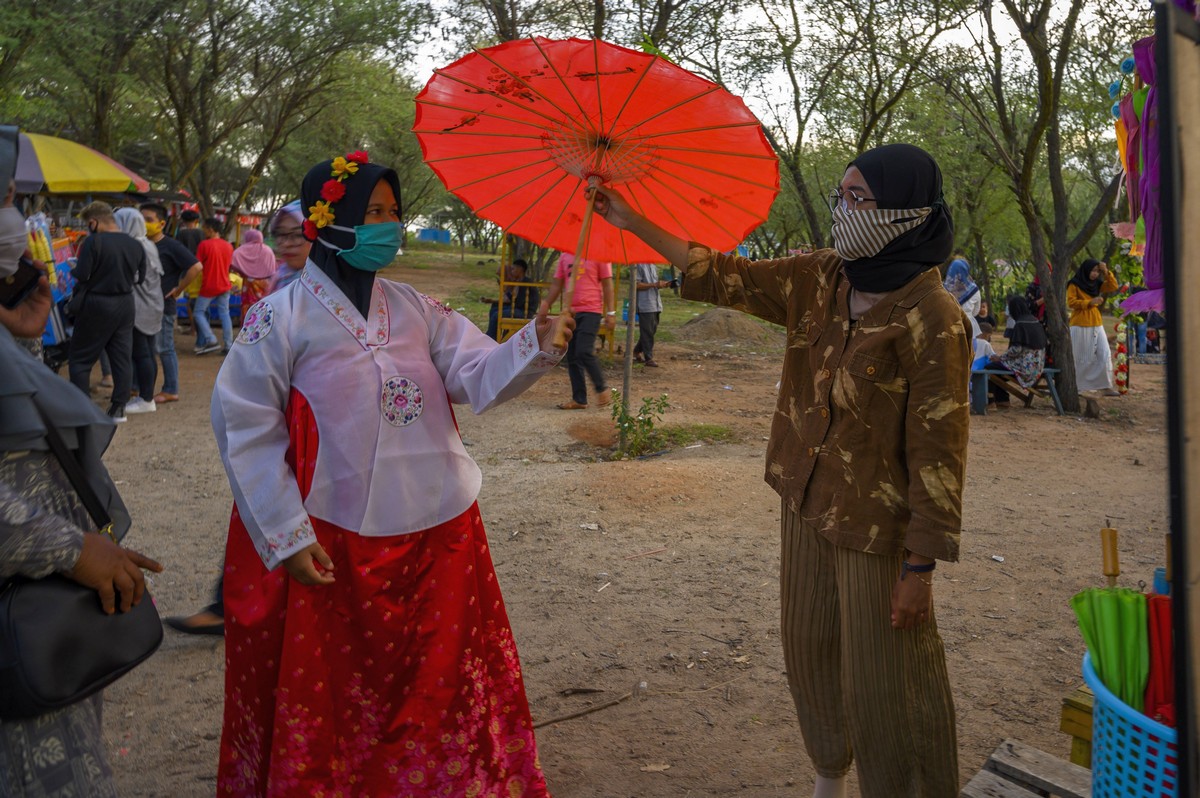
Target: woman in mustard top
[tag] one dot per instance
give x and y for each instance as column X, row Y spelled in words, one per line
column 1085, row 295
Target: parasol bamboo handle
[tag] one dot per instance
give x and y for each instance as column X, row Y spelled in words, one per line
column 1112, row 562
column 560, row 335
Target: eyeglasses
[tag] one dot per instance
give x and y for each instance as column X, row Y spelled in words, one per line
column 290, row 239
column 847, row 199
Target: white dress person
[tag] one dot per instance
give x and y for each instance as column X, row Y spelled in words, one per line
column 338, row 428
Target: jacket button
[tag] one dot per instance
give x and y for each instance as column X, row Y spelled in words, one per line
column 825, row 373
column 824, row 412
column 810, row 451
column 870, row 369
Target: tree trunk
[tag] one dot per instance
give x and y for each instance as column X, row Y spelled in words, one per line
column 1057, row 329
column 984, row 271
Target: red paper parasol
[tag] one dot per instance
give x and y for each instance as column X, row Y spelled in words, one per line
column 517, row 130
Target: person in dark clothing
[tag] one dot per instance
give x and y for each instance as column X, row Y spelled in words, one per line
column 518, row 302
column 1037, row 307
column 110, row 264
column 1026, row 354
column 180, row 267
column 649, row 308
column 985, row 315
column 189, row 233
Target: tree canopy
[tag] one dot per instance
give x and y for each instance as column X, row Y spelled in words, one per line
column 233, row 101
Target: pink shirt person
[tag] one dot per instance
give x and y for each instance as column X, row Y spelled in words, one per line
column 588, row 296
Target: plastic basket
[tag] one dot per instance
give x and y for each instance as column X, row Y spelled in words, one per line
column 1133, row 756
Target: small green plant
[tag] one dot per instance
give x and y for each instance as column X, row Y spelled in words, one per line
column 637, row 431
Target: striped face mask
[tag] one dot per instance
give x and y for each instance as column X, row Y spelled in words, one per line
column 864, row 233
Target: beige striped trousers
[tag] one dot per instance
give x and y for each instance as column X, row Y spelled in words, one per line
column 865, row 693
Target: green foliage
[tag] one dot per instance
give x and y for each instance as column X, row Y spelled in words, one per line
column 686, row 434
column 636, row 430
column 234, row 101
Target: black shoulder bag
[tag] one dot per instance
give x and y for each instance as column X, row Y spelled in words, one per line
column 57, row 647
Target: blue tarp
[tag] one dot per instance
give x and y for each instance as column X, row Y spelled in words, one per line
column 436, row 236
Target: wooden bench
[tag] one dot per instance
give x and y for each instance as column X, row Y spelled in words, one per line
column 1043, row 387
column 1015, row 770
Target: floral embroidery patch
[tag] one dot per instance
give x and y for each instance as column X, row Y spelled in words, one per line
column 342, row 312
column 382, row 321
column 438, row 305
column 283, row 541
column 525, row 343
column 257, row 323
column 402, row 401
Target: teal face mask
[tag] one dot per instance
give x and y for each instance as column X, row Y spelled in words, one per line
column 375, row 245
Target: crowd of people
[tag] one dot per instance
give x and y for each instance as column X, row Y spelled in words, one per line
column 355, row 499
column 129, row 276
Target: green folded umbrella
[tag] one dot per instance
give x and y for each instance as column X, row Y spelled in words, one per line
column 1113, row 624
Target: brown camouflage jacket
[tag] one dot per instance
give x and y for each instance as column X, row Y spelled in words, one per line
column 869, row 438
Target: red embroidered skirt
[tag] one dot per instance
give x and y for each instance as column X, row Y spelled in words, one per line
column 400, row 679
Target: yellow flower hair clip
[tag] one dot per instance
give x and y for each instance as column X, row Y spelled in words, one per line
column 320, row 214
column 343, row 168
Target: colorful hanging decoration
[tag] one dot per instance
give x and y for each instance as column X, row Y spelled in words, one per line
column 1136, row 114
column 1122, row 370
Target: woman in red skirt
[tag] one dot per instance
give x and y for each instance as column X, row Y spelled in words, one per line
column 378, row 660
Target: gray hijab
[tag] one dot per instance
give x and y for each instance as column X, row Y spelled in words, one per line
column 27, row 385
column 147, row 295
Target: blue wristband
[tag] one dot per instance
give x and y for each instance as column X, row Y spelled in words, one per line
column 916, row 569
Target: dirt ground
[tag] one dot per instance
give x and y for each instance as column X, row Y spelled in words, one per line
column 658, row 577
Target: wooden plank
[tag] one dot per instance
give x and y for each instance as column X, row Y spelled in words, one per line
column 1081, row 698
column 1080, row 728
column 1076, row 718
column 1081, row 752
column 1040, row 771
column 988, row 785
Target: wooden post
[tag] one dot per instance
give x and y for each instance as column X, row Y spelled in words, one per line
column 628, row 377
column 1177, row 70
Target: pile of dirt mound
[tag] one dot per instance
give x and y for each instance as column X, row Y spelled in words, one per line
column 729, row 326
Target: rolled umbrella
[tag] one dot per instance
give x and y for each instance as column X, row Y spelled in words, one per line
column 1112, row 622
column 1160, row 685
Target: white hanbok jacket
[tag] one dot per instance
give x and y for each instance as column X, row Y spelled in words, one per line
column 390, row 460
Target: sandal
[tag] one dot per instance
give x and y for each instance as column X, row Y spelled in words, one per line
column 202, row 623
column 161, row 398
column 571, row 405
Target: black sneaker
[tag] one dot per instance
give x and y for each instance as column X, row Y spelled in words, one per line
column 117, row 413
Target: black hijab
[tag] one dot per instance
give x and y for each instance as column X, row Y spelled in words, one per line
column 901, row 176
column 348, row 211
column 1027, row 331
column 1083, row 278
